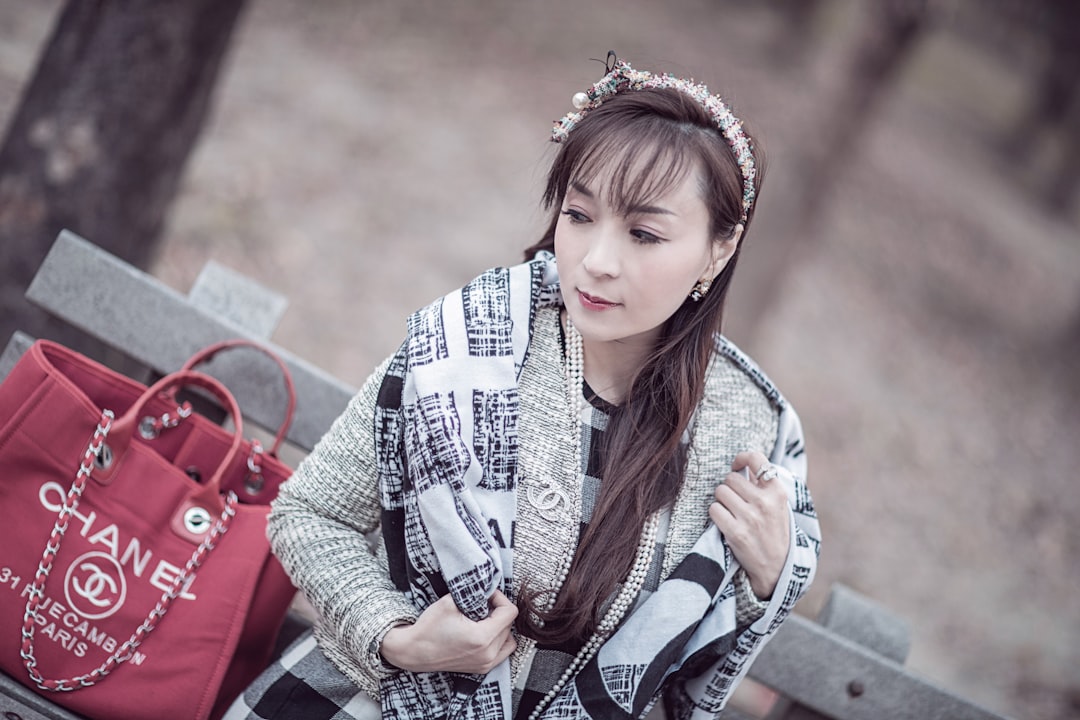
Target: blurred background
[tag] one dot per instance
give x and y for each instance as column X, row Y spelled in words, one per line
column 912, row 279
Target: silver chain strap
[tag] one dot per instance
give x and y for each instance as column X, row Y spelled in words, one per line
column 37, row 593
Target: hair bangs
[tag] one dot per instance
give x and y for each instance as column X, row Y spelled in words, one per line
column 635, row 164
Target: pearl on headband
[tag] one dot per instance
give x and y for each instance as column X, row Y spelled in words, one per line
column 620, row 77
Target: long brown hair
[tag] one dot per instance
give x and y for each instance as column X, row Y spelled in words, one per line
column 645, row 142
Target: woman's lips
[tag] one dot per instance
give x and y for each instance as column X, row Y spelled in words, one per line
column 593, row 302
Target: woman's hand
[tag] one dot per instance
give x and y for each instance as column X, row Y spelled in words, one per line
column 753, row 516
column 442, row 638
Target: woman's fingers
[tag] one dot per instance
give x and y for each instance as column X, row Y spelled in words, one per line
column 500, row 622
column 503, row 612
column 751, row 510
column 737, row 489
column 508, row 644
column 442, row 638
column 501, row 603
column 756, row 466
column 747, row 458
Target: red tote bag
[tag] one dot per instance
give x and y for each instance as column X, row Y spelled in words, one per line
column 135, row 576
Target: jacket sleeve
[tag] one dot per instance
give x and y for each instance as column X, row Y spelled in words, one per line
column 319, row 527
column 705, row 695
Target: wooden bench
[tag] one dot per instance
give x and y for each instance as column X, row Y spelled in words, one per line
column 847, row 665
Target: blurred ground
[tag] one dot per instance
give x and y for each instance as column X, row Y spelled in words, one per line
column 364, row 158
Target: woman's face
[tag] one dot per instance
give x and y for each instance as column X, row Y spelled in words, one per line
column 623, row 275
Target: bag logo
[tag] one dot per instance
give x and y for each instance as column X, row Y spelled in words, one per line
column 95, row 586
column 96, row 583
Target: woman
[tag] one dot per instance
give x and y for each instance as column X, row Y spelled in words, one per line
column 590, row 502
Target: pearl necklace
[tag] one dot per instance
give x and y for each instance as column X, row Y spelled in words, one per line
column 628, row 591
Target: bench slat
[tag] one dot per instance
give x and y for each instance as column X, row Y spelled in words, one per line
column 19, row 702
column 817, row 668
column 157, row 326
column 238, row 299
column 19, row 343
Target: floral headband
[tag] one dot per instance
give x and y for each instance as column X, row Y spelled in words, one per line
column 620, row 77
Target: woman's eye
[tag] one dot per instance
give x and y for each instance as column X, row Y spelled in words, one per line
column 645, row 237
column 575, row 216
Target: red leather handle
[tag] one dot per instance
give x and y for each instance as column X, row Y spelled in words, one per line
column 207, row 353
column 127, row 425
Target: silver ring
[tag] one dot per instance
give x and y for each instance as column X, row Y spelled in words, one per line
column 766, row 472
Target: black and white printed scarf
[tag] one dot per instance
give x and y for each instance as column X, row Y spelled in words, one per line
column 446, row 425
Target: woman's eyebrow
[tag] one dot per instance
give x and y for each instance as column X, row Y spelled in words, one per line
column 648, row 210
column 633, row 210
column 581, row 189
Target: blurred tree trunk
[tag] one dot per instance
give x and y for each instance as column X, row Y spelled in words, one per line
column 1058, row 103
column 865, row 76
column 1054, row 106
column 101, row 136
column 1061, row 191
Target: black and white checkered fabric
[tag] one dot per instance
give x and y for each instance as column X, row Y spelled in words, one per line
column 447, row 396
column 303, row 685
column 449, row 406
column 550, row 661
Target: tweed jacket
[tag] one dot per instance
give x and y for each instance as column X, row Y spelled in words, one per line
column 324, row 524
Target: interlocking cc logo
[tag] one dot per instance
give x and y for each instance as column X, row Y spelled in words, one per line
column 95, row 586
column 547, row 499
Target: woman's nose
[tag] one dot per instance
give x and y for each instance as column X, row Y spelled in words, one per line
column 602, row 256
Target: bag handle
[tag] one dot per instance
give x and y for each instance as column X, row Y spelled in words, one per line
column 125, row 427
column 208, row 353
column 37, row 593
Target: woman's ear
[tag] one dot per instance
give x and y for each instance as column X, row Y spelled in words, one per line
column 723, row 250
